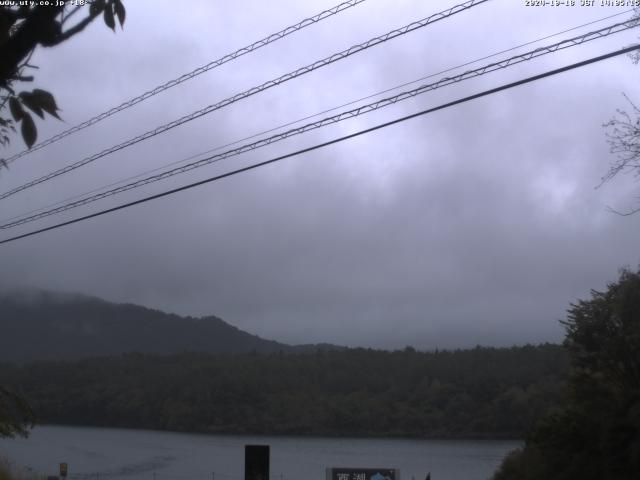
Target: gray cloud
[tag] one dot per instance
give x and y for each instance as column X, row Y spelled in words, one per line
column 477, row 224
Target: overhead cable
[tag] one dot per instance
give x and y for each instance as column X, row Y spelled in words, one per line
column 188, row 76
column 308, row 117
column 331, row 142
column 252, row 91
column 377, row 105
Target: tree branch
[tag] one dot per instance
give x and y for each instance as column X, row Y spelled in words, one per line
column 71, row 14
column 623, row 214
column 77, row 28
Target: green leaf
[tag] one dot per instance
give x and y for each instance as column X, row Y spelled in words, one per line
column 120, row 11
column 29, row 132
column 31, row 101
column 46, row 101
column 108, row 17
column 16, row 109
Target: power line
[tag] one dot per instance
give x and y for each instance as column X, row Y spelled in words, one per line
column 252, row 91
column 492, row 67
column 308, row 117
column 331, row 142
column 188, row 76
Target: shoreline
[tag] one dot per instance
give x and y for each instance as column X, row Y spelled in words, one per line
column 460, row 438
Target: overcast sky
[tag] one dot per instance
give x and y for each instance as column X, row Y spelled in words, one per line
column 478, row 224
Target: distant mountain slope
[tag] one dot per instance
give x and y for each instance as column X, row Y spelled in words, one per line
column 40, row 325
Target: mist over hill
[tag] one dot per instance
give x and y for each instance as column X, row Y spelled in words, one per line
column 44, row 325
column 204, row 375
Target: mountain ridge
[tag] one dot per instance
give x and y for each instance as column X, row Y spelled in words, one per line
column 45, row 325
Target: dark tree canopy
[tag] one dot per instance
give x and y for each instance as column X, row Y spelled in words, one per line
column 597, row 435
column 603, row 337
column 482, row 392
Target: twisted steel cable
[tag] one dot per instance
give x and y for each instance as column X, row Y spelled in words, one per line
column 308, row 117
column 385, row 102
column 252, row 91
column 503, row 87
column 188, row 76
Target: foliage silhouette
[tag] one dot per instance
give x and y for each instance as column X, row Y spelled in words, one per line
column 597, row 434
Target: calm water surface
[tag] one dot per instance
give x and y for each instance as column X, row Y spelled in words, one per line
column 109, row 454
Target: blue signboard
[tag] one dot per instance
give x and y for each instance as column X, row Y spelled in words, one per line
column 362, row 474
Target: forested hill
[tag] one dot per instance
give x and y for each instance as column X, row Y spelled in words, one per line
column 483, row 392
column 39, row 325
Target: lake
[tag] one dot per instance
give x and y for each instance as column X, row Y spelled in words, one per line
column 109, row 454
